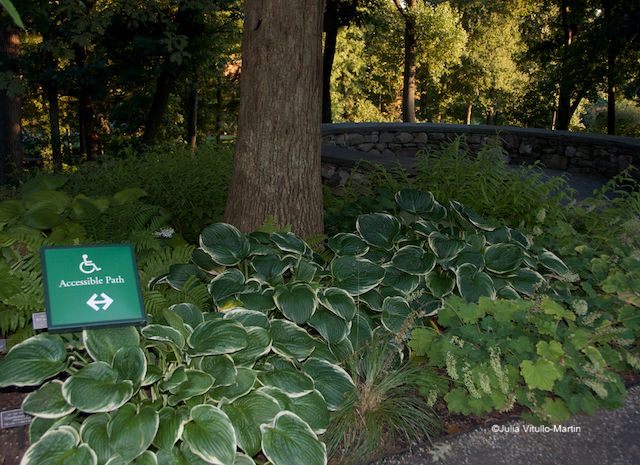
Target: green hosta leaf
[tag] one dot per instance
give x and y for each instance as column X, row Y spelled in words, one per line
column 378, row 229
column 503, row 258
column 226, row 285
column 551, row 261
column 332, row 381
column 32, row 361
column 95, row 388
column 170, row 426
column 413, row 260
column 356, row 275
column 424, row 228
column 43, row 215
column 94, row 432
column 290, row 340
column 444, row 247
column 244, row 382
column 311, row 407
column 404, row 282
column 226, row 245
column 295, row 383
column 210, row 435
column 331, row 327
column 466, row 216
column 414, row 201
column 339, row 302
column 498, row 235
column 131, row 431
column 204, row 261
column 47, row 402
column 247, row 414
column 348, row 244
column 10, row 210
column 395, row 311
column 373, row 299
column 130, row 363
column 179, row 274
column 259, row 344
column 289, row 440
column 305, row 270
column 39, row 426
column 164, row 333
column 216, row 337
column 248, row 318
column 242, row 459
column 297, row 302
column 60, row 447
column 289, row 242
column 189, row 313
column 527, row 281
column 473, row 284
column 361, row 330
column 196, row 383
column 261, row 301
column 540, row 375
column 270, row 268
column 146, row 458
column 437, row 213
column 102, row 344
column 152, row 375
column 440, row 283
column 221, row 367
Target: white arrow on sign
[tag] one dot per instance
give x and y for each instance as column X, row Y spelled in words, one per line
column 94, row 303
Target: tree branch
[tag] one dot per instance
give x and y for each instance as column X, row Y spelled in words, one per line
column 399, row 7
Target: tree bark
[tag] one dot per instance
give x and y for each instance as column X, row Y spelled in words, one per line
column 86, row 125
column 164, row 85
column 409, row 75
column 276, row 171
column 330, row 41
column 469, row 113
column 611, row 69
column 192, row 115
column 566, row 85
column 54, row 125
column 11, row 151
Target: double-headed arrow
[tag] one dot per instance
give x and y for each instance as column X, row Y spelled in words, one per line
column 94, row 303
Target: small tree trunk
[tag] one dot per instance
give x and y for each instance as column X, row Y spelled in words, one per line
column 192, row 116
column 564, row 99
column 11, row 150
column 219, row 111
column 276, row 170
column 54, row 125
column 469, row 113
column 164, row 85
column 611, row 69
column 409, row 75
column 330, row 41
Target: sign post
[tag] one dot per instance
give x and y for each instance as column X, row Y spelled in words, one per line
column 91, row 286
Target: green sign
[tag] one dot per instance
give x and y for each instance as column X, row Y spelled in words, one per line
column 89, row 286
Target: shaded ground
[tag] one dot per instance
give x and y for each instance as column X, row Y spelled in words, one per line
column 13, row 441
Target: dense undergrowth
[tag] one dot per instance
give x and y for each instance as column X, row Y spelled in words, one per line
column 466, row 284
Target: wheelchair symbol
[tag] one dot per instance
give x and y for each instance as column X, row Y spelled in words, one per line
column 87, row 266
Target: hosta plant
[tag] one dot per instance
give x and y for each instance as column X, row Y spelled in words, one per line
column 193, row 388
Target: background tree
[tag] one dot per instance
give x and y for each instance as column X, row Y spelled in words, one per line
column 276, row 172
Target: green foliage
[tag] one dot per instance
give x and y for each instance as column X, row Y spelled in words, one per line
column 198, row 199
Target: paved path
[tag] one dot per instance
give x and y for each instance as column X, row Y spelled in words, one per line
column 607, row 438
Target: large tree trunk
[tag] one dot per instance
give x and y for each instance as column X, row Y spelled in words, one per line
column 330, row 41
column 164, row 85
column 611, row 68
column 276, row 171
column 409, row 75
column 566, row 84
column 11, row 152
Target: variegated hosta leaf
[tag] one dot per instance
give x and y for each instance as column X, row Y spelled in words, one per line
column 403, row 282
column 551, row 261
column 527, row 281
column 102, row 344
column 295, row 383
column 242, row 459
column 248, row 318
column 247, row 414
column 332, row 381
column 395, row 311
column 171, row 426
column 196, row 383
column 270, row 268
column 61, row 446
column 297, row 302
column 290, row 340
column 95, row 388
column 440, row 283
column 444, row 247
column 348, row 244
column 244, row 382
column 498, row 235
column 311, row 407
column 414, row 201
column 210, row 435
column 39, row 426
column 473, row 284
column 289, row 242
column 47, row 402
column 339, row 302
column 94, row 432
column 373, row 299
column 413, row 260
column 146, row 458
column 378, row 229
column 226, row 285
column 503, row 258
column 131, row 431
column 32, row 361
column 189, row 313
column 226, row 245
column 361, row 330
column 216, row 337
column 261, row 301
column 289, row 440
column 152, row 375
column 259, row 344
column 131, row 364
column 468, row 218
column 356, row 275
column 331, row 327
column 164, row 333
column 221, row 367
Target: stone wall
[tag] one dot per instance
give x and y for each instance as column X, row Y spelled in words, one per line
column 389, row 143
